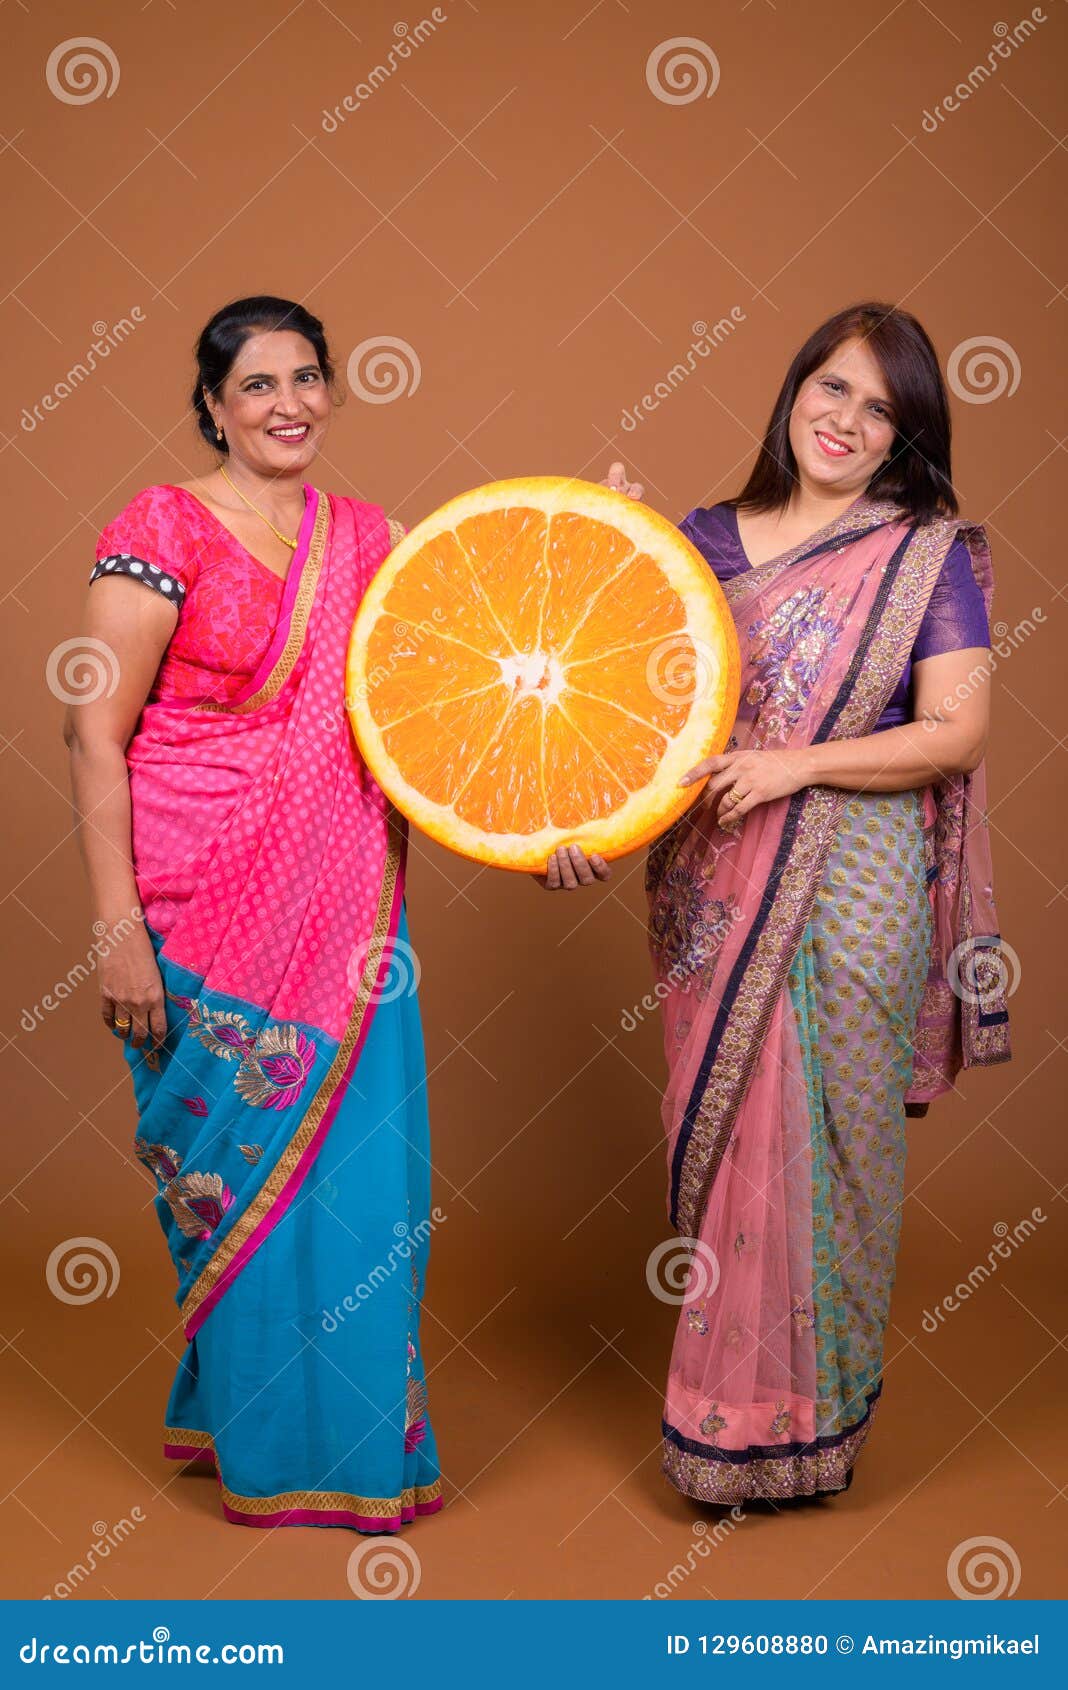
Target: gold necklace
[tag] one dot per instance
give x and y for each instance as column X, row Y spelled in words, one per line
column 286, row 541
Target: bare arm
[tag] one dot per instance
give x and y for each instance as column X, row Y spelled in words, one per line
column 134, row 624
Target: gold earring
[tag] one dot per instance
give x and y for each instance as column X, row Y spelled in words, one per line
column 218, row 432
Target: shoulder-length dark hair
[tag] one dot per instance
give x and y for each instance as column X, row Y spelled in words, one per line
column 917, row 474
column 221, row 339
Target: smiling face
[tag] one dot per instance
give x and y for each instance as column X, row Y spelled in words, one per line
column 274, row 406
column 842, row 425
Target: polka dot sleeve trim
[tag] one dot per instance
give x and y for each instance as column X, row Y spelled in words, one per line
column 149, row 540
column 124, row 563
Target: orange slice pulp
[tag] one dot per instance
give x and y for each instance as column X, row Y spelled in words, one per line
column 536, row 663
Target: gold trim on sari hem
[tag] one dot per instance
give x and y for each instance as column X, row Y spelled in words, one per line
column 317, row 1501
column 280, row 1174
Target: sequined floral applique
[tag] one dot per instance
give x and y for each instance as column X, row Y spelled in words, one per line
column 802, row 1317
column 713, row 1422
column 697, row 1321
column 788, row 650
column 687, row 927
column 251, row 1152
column 780, row 1424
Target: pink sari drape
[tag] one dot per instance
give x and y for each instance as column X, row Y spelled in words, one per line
column 271, row 864
column 825, row 631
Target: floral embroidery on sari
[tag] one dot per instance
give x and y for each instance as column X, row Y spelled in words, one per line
column 780, row 1424
column 164, row 1162
column 713, row 1422
column 273, row 1074
column 788, row 651
column 688, row 928
column 273, row 1063
column 198, row 1203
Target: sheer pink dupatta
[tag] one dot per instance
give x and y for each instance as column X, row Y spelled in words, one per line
column 825, row 632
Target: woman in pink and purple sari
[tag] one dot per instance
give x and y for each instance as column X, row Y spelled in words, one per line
column 267, row 1001
column 822, row 920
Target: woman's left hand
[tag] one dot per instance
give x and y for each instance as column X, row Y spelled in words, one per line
column 740, row 780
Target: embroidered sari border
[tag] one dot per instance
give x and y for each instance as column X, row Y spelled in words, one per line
column 761, row 1452
column 285, row 1179
column 710, row 1474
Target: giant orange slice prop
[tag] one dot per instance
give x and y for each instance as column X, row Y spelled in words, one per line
column 536, row 663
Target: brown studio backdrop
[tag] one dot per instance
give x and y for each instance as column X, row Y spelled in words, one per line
column 516, row 204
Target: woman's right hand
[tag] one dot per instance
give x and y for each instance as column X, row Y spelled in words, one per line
column 131, row 990
column 569, row 868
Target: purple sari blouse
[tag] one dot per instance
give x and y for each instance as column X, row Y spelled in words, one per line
column 955, row 617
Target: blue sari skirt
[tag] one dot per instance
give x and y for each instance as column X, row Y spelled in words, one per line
column 305, row 1384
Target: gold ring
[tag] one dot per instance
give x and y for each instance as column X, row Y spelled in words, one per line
column 122, row 1022
column 736, row 796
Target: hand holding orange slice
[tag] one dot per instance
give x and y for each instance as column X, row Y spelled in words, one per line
column 538, row 663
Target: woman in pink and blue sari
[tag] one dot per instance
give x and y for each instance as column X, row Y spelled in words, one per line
column 822, row 919
column 267, row 1001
